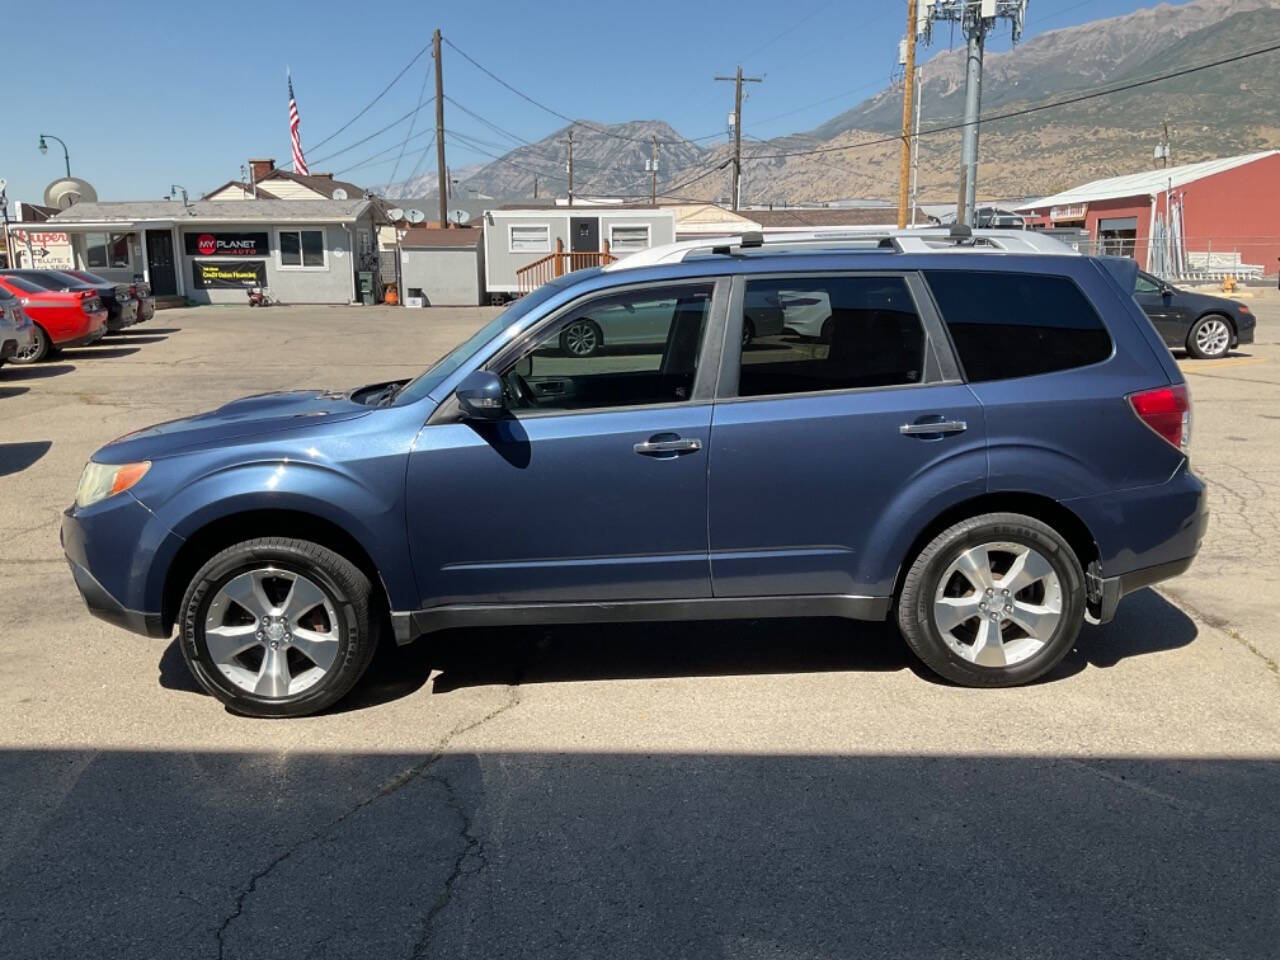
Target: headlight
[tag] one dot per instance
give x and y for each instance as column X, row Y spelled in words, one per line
column 102, row 480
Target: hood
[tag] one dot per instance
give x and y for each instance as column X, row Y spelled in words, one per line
column 252, row 416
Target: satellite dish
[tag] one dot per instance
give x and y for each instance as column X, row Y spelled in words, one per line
column 395, row 213
column 66, row 191
column 415, row 216
column 339, row 194
column 459, row 216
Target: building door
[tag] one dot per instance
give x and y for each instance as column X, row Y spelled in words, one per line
column 160, row 266
column 584, row 234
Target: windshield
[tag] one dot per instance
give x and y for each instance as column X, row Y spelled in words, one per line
column 436, row 374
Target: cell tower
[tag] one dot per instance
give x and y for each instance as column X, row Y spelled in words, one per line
column 977, row 18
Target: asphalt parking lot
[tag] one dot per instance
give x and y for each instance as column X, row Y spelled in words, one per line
column 777, row 789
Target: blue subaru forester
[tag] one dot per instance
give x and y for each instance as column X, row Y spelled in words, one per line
column 979, row 435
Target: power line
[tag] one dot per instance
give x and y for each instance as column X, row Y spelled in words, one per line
column 365, row 109
column 396, row 122
column 422, row 92
column 556, row 113
column 381, row 153
column 1026, row 110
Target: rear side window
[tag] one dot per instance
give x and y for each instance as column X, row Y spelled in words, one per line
column 805, row 334
column 1008, row 325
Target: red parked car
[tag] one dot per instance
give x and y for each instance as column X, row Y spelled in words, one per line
column 61, row 318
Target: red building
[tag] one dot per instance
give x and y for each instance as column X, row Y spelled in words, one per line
column 1210, row 218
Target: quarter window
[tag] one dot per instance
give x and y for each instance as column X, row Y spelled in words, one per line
column 302, row 248
column 628, row 239
column 529, row 238
column 633, row 348
column 1007, row 325
column 804, row 334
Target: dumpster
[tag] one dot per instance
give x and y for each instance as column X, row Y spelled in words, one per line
column 366, row 287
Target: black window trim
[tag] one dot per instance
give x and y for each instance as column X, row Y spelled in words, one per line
column 708, row 351
column 940, row 363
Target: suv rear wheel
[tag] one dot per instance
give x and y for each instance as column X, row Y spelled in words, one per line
column 993, row 601
column 276, row 627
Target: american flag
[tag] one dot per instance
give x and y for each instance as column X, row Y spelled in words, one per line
column 299, row 161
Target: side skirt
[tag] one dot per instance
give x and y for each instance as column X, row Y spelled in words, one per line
column 409, row 626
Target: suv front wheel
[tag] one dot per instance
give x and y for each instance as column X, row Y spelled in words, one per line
column 277, row 627
column 993, row 601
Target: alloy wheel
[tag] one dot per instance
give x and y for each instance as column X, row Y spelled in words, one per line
column 581, row 339
column 272, row 632
column 1213, row 337
column 998, row 604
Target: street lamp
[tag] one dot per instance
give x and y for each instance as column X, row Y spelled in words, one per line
column 66, row 155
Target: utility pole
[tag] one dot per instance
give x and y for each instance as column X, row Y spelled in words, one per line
column 915, row 149
column 736, row 119
column 908, row 92
column 1164, row 151
column 977, row 18
column 570, row 166
column 653, row 169
column 442, row 173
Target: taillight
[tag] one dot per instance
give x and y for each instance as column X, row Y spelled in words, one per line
column 1167, row 411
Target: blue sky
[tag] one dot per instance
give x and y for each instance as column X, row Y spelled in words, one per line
column 205, row 85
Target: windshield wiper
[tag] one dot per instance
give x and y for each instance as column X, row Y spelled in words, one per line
column 393, row 391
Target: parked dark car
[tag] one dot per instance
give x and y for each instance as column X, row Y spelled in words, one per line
column 122, row 309
column 139, row 290
column 1204, row 325
column 988, row 450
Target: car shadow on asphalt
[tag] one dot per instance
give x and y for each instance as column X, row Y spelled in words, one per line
column 16, row 457
column 99, row 353
column 124, row 338
column 1146, row 623
column 148, row 331
column 38, row 371
column 13, row 391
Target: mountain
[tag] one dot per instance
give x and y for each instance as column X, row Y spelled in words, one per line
column 607, row 158
column 1218, row 112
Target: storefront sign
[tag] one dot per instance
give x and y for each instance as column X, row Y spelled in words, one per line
column 226, row 244
column 43, row 250
column 214, row 275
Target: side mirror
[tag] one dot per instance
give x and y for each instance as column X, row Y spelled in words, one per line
column 1166, row 288
column 480, row 396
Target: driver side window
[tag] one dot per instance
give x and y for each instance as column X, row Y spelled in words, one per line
column 628, row 349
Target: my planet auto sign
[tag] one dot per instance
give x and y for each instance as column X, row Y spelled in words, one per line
column 225, row 244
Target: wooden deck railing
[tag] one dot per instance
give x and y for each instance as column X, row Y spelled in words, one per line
column 534, row 275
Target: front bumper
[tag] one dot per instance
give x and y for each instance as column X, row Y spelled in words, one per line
column 106, row 607
column 119, row 553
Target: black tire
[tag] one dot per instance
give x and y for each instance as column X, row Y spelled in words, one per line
column 41, row 347
column 825, row 334
column 1193, row 333
column 582, row 338
column 341, row 581
column 916, row 600
column 748, row 333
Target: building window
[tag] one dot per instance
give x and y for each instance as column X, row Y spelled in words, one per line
column 365, row 239
column 103, row 250
column 529, row 238
column 302, row 249
column 628, row 239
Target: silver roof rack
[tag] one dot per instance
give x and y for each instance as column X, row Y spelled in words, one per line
column 909, row 240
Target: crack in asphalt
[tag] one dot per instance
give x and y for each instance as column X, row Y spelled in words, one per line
column 471, row 844
column 393, row 785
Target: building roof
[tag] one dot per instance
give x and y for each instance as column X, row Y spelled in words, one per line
column 322, row 183
column 433, row 238
column 1148, row 183
column 263, row 193
column 204, row 211
column 828, row 217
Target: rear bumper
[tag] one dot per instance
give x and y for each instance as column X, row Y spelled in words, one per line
column 8, row 348
column 93, row 336
column 1114, row 589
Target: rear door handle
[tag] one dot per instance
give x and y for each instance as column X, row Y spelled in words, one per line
column 933, row 428
column 677, row 445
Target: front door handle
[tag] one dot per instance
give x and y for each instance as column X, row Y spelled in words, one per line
column 673, row 445
column 933, row 428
